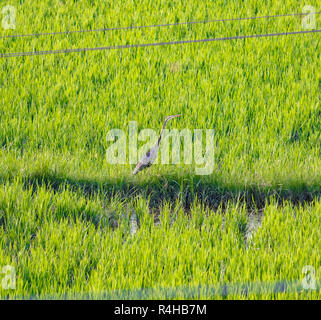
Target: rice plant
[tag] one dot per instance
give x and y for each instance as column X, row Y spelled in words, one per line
column 73, row 225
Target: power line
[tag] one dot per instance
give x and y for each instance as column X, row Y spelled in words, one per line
column 141, row 45
column 156, row 25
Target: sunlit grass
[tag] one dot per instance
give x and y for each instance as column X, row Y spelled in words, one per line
column 65, row 212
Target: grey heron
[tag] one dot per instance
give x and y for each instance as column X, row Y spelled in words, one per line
column 151, row 155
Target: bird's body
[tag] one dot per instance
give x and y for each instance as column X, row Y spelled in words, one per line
column 148, row 159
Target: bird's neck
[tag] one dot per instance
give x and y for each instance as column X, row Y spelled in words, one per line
column 161, row 133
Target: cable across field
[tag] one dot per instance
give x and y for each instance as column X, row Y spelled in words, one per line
column 154, row 44
column 158, row 25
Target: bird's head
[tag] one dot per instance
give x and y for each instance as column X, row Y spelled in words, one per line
column 171, row 117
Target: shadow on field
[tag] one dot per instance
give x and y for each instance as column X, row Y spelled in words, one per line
column 173, row 188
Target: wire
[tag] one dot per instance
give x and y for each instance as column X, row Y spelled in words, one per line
column 141, row 45
column 155, row 25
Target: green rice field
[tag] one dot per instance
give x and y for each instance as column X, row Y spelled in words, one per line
column 74, row 226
